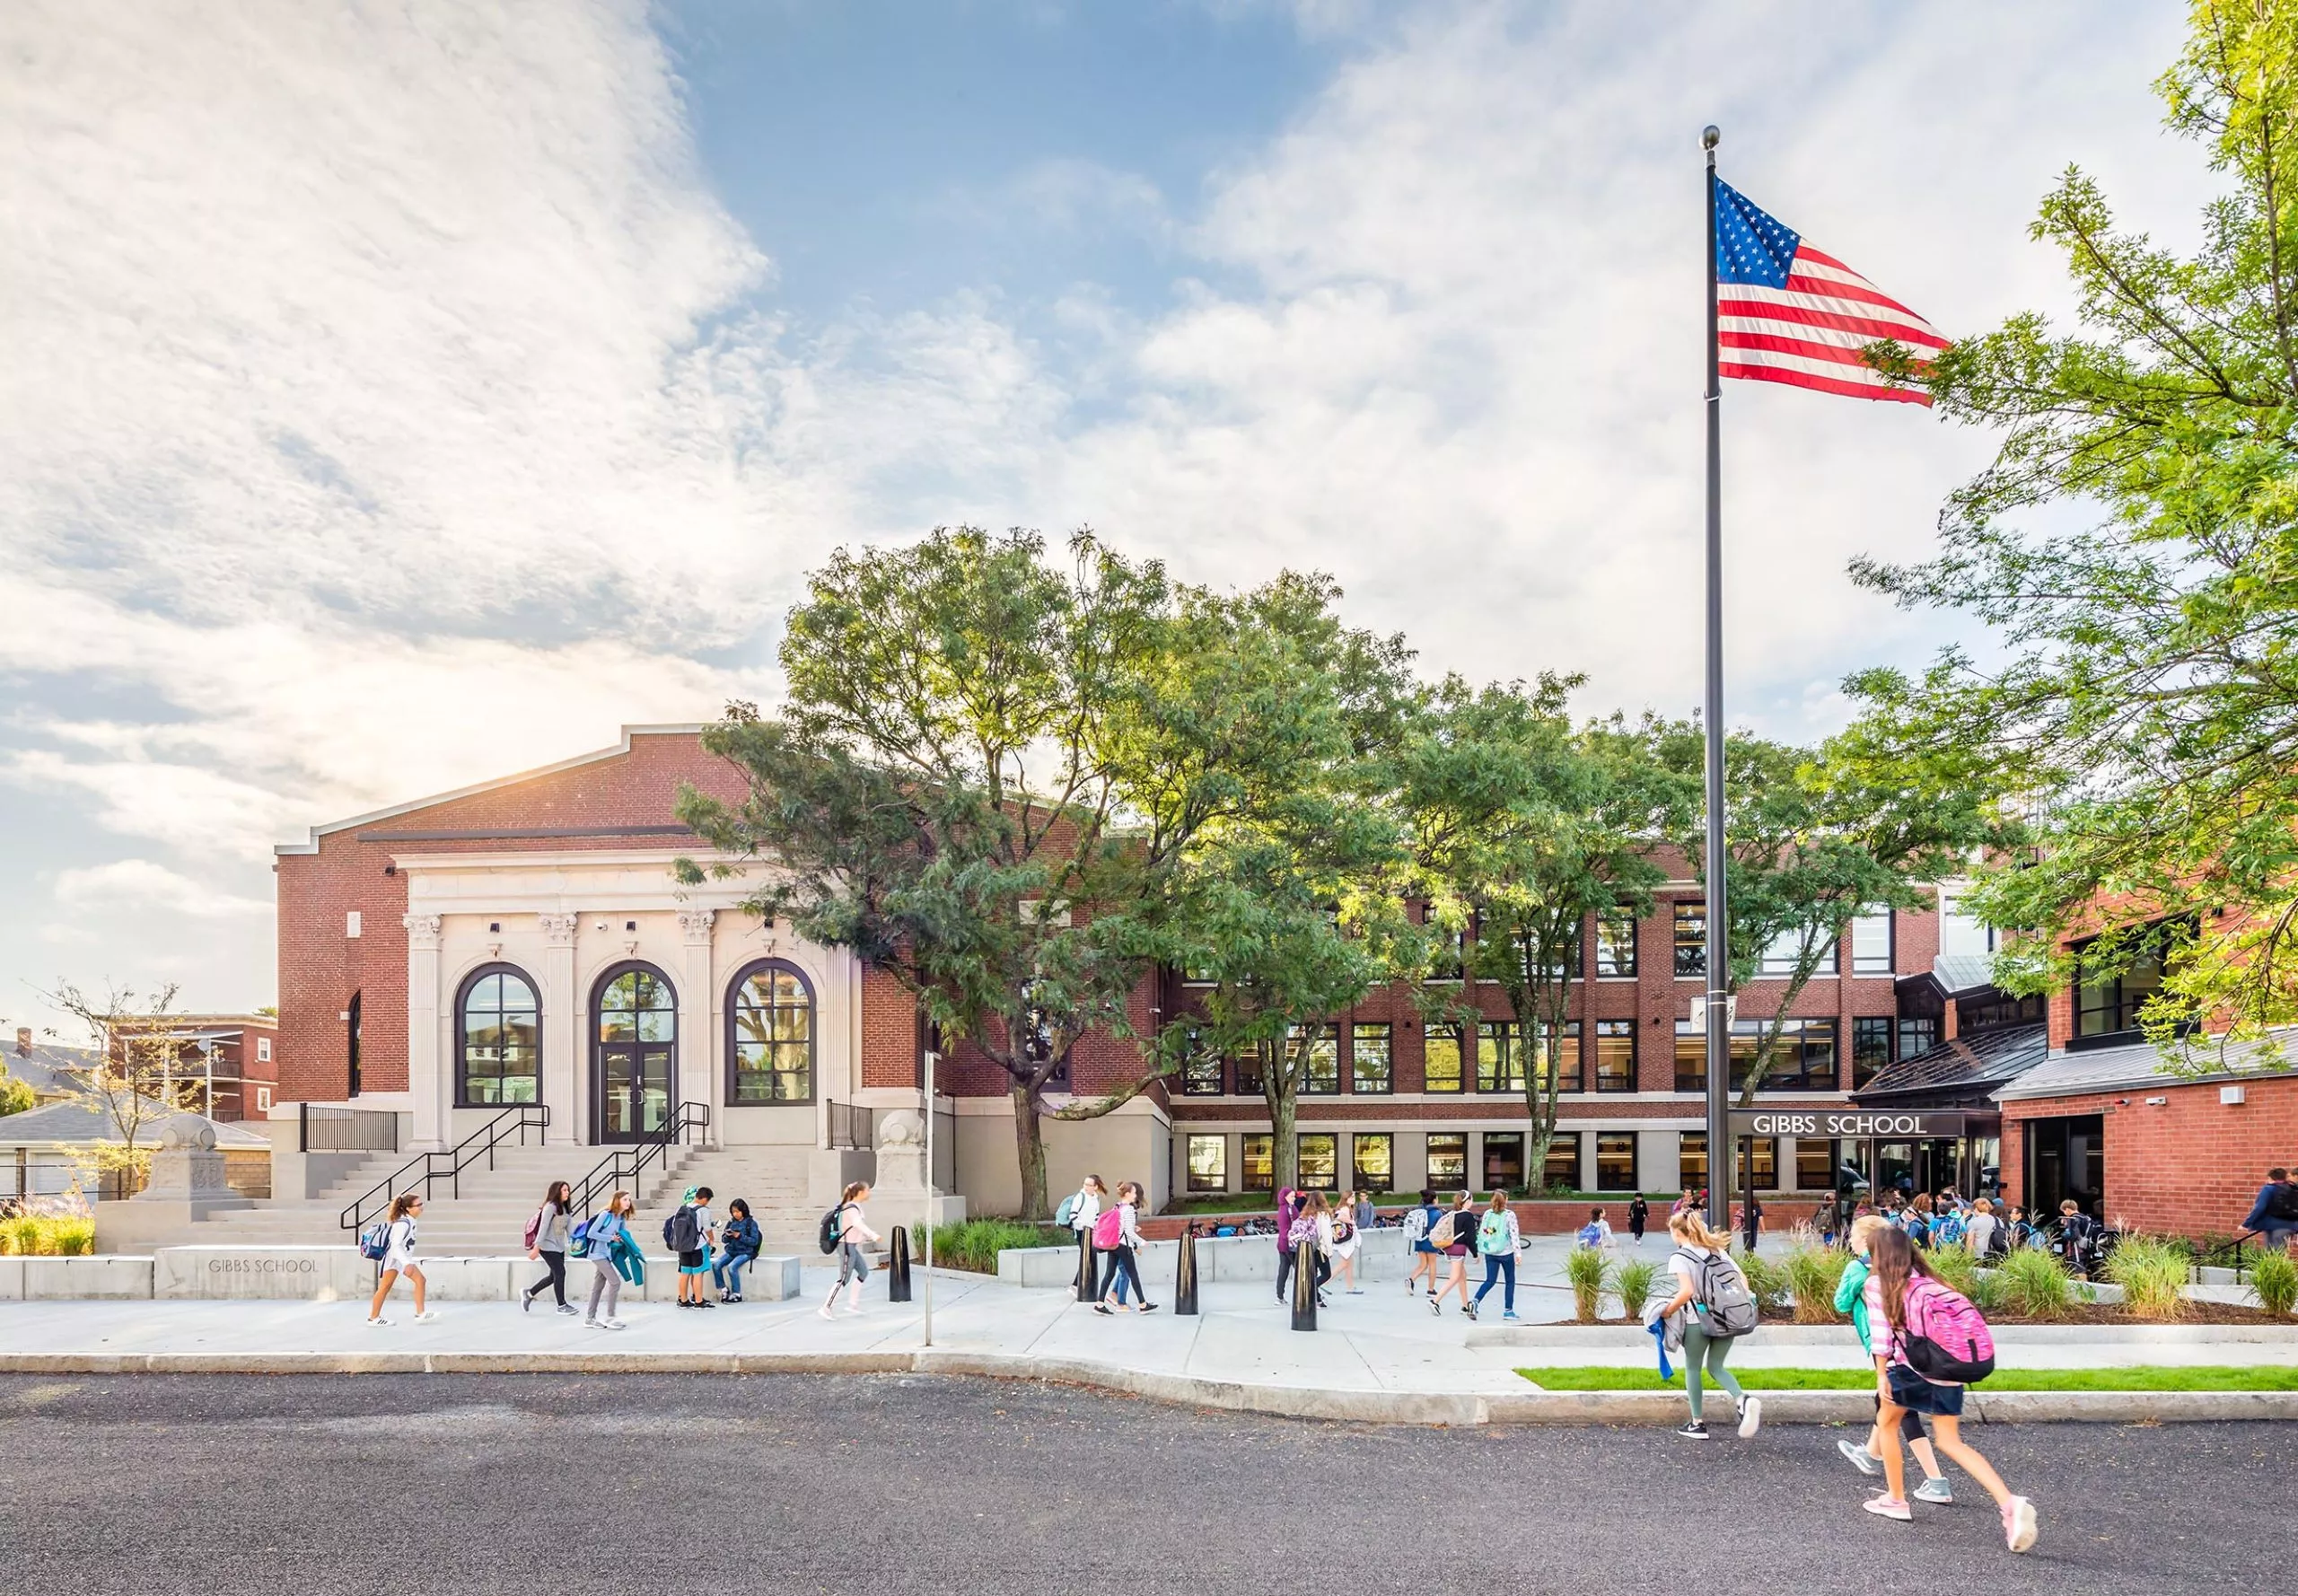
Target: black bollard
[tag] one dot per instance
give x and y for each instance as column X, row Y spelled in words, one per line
column 1085, row 1293
column 897, row 1265
column 1185, row 1271
column 1305, row 1286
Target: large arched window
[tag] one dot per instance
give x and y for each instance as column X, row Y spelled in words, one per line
column 496, row 1027
column 635, row 1083
column 770, row 1036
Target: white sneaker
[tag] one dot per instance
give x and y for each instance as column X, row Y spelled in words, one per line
column 612, row 1324
column 379, row 1323
column 825, row 1311
column 1750, row 1416
column 425, row 1316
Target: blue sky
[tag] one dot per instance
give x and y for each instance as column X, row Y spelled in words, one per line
column 400, row 396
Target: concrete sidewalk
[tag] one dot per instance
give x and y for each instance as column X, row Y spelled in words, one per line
column 1381, row 1356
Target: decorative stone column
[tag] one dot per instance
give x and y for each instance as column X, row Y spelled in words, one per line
column 426, row 1084
column 563, row 1037
column 698, row 1062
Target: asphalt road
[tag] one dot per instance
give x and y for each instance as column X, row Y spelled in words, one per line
column 697, row 1483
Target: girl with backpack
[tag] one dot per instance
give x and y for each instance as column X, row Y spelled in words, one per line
column 399, row 1258
column 1851, row 1297
column 1345, row 1231
column 1496, row 1240
column 607, row 1243
column 1312, row 1225
column 1713, row 1296
column 1452, row 1235
column 1289, row 1203
column 1416, row 1240
column 1118, row 1234
column 1079, row 1211
column 853, row 1263
column 739, row 1241
column 1925, row 1319
column 546, row 1235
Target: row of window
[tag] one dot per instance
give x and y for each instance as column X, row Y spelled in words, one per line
column 1872, row 952
column 1372, row 1162
column 1804, row 1059
column 770, row 1030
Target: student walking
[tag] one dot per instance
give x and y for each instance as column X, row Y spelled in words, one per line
column 1497, row 1238
column 739, row 1244
column 546, row 1235
column 1417, row 1222
column 613, row 1253
column 1117, row 1232
column 2274, row 1214
column 1365, row 1216
column 1851, row 1297
column 1454, row 1234
column 1713, row 1296
column 1597, row 1233
column 399, row 1258
column 1898, row 1289
column 853, row 1263
column 1289, row 1203
column 1639, row 1214
column 1345, row 1231
column 1080, row 1211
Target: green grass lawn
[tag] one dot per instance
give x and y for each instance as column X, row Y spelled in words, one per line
column 2198, row 1377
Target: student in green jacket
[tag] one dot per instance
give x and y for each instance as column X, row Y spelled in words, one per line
column 1867, row 1456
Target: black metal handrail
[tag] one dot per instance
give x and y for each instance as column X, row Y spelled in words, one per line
column 622, row 1167
column 852, row 1126
column 322, row 1128
column 431, row 1168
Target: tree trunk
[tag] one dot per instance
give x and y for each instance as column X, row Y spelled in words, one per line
column 1278, row 1087
column 1029, row 1143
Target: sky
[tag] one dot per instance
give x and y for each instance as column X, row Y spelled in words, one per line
column 403, row 394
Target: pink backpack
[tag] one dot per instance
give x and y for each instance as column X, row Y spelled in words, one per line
column 1108, row 1229
column 1944, row 1337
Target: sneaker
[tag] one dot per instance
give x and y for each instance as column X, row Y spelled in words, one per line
column 1469, row 1308
column 1103, row 1308
column 568, row 1310
column 1937, row 1492
column 612, row 1324
column 1750, row 1416
column 1508, row 1318
column 425, row 1316
column 593, row 1324
column 1694, row 1431
column 1889, row 1507
column 1147, row 1308
column 379, row 1323
column 704, row 1303
column 526, row 1302
column 1436, row 1307
column 1860, row 1458
column 2019, row 1526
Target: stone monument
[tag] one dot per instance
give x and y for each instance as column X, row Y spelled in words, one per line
column 186, row 1185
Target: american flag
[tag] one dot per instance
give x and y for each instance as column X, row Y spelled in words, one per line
column 1786, row 313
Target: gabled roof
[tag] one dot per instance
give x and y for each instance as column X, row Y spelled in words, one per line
column 48, row 1069
column 1973, row 1064
column 2138, row 1067
column 78, row 1120
column 594, row 757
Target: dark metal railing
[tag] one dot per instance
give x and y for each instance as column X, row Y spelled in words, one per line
column 429, row 1169
column 852, row 1126
column 620, row 1170
column 320, row 1128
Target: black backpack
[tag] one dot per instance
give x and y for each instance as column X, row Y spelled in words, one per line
column 2284, row 1204
column 680, row 1232
column 833, row 1228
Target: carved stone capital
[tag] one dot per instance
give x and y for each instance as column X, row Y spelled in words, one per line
column 697, row 923
column 559, row 930
column 423, row 929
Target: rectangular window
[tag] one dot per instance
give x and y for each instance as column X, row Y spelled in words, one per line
column 1201, row 1074
column 1320, row 1161
column 1208, row 1164
column 1499, row 1061
column 1691, row 1057
column 1319, row 1076
column 1504, row 1159
column 1371, row 1159
column 1259, row 1161
column 1614, row 1161
column 1691, row 1160
column 1369, row 1070
column 1779, row 960
column 263, row 1099
column 263, row 1049
column 2109, row 1006
column 1691, row 937
column 1616, row 944
column 1802, row 1061
column 1870, row 945
column 1763, row 1152
column 1568, row 1060
column 1870, row 1046
column 1615, row 1055
column 1918, row 1034
column 1441, row 1053
column 1246, row 1067
column 1815, row 1164
column 1448, row 1159
column 1561, row 1172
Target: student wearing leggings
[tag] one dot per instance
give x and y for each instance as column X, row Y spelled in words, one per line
column 1696, row 1245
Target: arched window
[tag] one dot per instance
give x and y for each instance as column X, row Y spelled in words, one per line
column 770, row 1036
column 635, row 1024
column 497, row 1022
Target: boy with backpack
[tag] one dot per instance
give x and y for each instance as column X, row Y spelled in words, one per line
column 691, row 1232
column 2275, row 1214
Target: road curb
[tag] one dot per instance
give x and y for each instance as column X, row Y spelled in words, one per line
column 1435, row 1409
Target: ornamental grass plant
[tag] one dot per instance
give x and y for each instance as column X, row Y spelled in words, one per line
column 2151, row 1271
column 1632, row 1282
column 1589, row 1272
column 2274, row 1282
column 1813, row 1272
column 974, row 1244
column 33, row 1235
column 2034, row 1286
column 1766, row 1281
column 1956, row 1266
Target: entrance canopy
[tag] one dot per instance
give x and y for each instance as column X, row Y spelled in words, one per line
column 1866, row 1125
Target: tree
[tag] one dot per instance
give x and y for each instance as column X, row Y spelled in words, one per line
column 132, row 1078
column 2147, row 707
column 1813, row 839
column 15, row 1096
column 1523, row 828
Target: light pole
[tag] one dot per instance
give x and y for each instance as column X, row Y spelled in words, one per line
column 932, row 1059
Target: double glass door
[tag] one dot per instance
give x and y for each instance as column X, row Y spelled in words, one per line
column 634, row 1083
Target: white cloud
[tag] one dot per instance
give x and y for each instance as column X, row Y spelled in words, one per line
column 142, row 885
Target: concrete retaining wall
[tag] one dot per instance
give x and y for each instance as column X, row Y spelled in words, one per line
column 327, row 1274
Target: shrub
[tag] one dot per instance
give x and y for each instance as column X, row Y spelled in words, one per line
column 974, row 1244
column 1766, row 1280
column 1813, row 1272
column 1632, row 1281
column 2153, row 1275
column 2034, row 1286
column 1987, row 1292
column 1956, row 1266
column 2274, row 1282
column 33, row 1235
column 1589, row 1271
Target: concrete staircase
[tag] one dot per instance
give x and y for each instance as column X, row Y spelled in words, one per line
column 771, row 1179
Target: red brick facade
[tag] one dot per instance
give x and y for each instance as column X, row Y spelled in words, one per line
column 2188, row 1165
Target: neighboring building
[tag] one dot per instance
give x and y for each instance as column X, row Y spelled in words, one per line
column 522, row 940
column 50, row 1071
column 45, row 1155
column 226, row 1065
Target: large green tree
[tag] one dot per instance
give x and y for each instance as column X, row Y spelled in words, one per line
column 1524, row 827
column 2144, row 703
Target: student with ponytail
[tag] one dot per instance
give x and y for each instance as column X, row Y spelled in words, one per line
column 1713, row 1296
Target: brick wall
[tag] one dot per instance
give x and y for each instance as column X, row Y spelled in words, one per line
column 2189, row 1166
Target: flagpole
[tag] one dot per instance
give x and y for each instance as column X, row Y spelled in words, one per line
column 1715, row 1010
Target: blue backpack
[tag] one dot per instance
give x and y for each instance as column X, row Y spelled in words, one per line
column 375, row 1241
